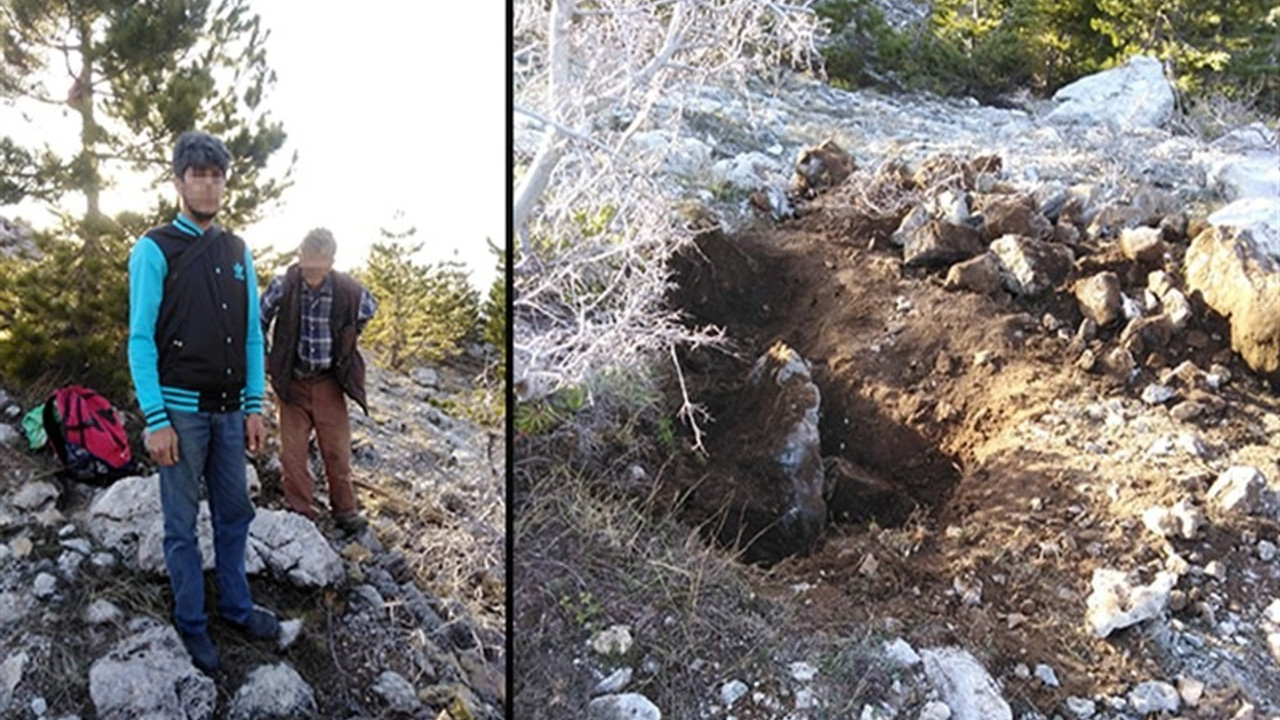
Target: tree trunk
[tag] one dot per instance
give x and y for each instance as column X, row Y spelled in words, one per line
column 81, row 99
column 552, row 147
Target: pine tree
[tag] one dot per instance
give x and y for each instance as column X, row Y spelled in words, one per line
column 495, row 310
column 139, row 74
column 425, row 312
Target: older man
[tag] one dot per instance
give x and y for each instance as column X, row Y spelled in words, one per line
column 314, row 365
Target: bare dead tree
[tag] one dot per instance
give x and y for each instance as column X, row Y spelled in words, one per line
column 595, row 217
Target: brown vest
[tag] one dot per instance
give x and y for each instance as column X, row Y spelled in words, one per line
column 348, row 363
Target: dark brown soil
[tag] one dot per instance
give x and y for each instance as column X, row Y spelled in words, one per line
column 926, row 398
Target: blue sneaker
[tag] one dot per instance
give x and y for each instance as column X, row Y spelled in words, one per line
column 202, row 651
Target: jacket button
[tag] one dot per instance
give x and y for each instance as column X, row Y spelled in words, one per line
column 228, row 371
column 228, row 339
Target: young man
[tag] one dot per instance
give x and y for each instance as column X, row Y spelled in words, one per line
column 196, row 356
column 314, row 366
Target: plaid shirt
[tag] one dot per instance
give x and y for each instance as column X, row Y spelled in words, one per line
column 315, row 337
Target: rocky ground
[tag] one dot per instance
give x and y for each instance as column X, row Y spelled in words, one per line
column 404, row 620
column 1045, row 470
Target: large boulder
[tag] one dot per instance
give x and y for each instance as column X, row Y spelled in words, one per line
column 1136, row 94
column 1239, row 277
column 150, row 675
column 769, row 496
column 128, row 518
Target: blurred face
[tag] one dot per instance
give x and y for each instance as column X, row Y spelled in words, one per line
column 201, row 190
column 314, row 269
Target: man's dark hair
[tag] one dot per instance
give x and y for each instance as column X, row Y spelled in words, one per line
column 196, row 149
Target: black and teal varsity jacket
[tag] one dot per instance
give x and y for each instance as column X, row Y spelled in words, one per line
column 197, row 347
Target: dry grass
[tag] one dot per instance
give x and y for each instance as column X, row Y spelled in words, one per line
column 590, row 557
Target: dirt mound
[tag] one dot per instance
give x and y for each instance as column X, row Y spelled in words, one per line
column 984, row 452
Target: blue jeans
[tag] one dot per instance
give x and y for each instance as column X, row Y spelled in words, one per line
column 210, row 448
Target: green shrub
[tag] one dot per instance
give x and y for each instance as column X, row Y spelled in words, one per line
column 66, row 316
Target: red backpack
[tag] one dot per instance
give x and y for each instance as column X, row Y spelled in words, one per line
column 86, row 433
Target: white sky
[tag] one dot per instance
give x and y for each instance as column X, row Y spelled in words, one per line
column 391, row 106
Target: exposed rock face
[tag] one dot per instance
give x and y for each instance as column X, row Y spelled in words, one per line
column 1239, row 277
column 772, row 500
column 149, row 675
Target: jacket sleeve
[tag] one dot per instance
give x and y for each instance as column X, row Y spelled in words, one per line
column 368, row 306
column 270, row 302
column 255, row 352
column 147, row 270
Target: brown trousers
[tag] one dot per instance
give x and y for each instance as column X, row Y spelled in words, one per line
column 318, row 404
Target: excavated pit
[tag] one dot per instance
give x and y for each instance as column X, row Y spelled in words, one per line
column 833, row 304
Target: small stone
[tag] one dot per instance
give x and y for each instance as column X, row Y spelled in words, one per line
column 628, row 706
column 69, row 564
column 1160, row 521
column 877, row 712
column 1266, row 550
column 103, row 560
column 805, row 699
column 1022, row 671
column 901, row 653
column 21, row 547
column 101, row 612
column 397, row 692
column 1046, row 675
column 1190, row 518
column 1216, row 570
column 1190, row 690
column 1238, row 490
column 79, row 545
column 614, row 641
column 803, row 672
column 289, row 632
column 1272, row 613
column 1153, row 697
column 1155, row 394
column 934, row 710
column 1082, row 708
column 732, row 691
column 1187, row 410
column 44, row 586
column 615, row 683
column 34, row 495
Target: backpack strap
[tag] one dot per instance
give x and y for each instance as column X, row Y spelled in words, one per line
column 52, row 428
column 188, row 256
